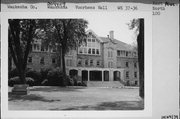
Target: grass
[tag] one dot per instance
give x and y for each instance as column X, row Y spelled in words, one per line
column 76, row 98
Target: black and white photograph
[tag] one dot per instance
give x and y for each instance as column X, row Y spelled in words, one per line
column 76, row 64
column 89, row 59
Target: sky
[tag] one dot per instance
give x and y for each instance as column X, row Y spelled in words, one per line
column 102, row 24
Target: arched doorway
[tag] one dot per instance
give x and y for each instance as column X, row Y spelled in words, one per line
column 84, row 75
column 106, row 75
column 117, row 75
column 95, row 75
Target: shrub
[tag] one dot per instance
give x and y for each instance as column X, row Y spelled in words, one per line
column 44, row 82
column 30, row 81
column 16, row 80
column 44, row 73
column 55, row 77
column 13, row 73
column 35, row 75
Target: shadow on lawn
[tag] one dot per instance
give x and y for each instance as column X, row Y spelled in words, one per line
column 119, row 105
column 30, row 97
column 55, row 88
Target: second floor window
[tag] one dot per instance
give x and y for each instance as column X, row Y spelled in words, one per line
column 135, row 74
column 135, row 65
column 127, row 64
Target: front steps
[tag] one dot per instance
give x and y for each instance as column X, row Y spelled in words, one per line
column 109, row 84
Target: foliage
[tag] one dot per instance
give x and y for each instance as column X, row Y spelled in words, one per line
column 35, row 75
column 44, row 73
column 55, row 78
column 138, row 25
column 13, row 73
column 16, row 80
column 20, row 38
column 65, row 33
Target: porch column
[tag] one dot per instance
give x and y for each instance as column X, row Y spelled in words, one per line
column 88, row 75
column 102, row 75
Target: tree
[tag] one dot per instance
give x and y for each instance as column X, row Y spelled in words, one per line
column 66, row 33
column 138, row 25
column 20, row 38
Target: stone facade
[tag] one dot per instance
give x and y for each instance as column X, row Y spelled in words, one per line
column 97, row 59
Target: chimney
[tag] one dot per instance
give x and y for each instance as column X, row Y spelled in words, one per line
column 111, row 34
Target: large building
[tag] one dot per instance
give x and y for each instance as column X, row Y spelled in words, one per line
column 97, row 59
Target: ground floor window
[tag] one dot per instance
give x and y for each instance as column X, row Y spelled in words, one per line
column 42, row 60
column 30, row 59
column 127, row 74
column 135, row 74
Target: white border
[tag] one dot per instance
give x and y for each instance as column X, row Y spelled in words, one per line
column 52, row 114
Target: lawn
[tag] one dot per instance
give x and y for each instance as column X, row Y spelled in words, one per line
column 77, row 98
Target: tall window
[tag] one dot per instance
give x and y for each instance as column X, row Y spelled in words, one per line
column 36, row 47
column 79, row 62
column 135, row 65
column 89, row 51
column 118, row 53
column 91, row 62
column 135, row 74
column 53, row 60
column 127, row 74
column 127, row 64
column 42, row 60
column 86, row 62
column 98, row 63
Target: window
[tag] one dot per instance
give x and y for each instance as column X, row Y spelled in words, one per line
column 89, row 40
column 91, row 62
column 54, row 49
column 86, row 62
column 127, row 74
column 135, row 74
column 42, row 60
column 118, row 53
column 80, row 50
column 89, row 51
column 136, row 82
column 53, row 60
column 98, row 63
column 135, row 65
column 97, row 51
column 127, row 64
column 93, row 51
column 93, row 40
column 30, row 59
column 36, row 47
column 126, row 54
column 79, row 62
column 42, row 48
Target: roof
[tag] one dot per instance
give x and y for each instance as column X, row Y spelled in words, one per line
column 119, row 44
